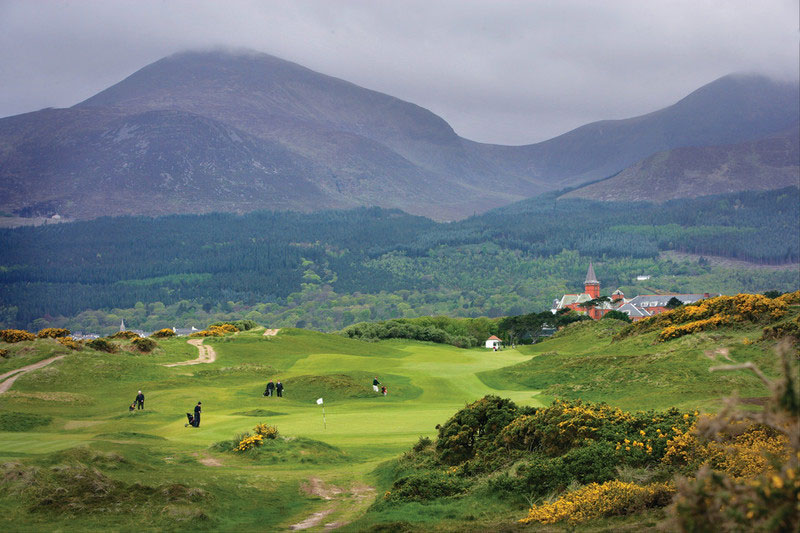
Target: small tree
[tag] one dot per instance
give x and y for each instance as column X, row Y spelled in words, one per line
column 618, row 315
column 673, row 303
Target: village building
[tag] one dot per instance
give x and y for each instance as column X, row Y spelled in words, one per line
column 590, row 302
column 494, row 342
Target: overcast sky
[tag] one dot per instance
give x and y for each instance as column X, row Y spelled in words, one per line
column 509, row 72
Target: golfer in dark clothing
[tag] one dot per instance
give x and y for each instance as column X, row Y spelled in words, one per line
column 196, row 419
column 279, row 389
column 140, row 400
column 270, row 389
column 375, row 384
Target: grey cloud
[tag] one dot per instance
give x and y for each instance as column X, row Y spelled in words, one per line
column 506, row 72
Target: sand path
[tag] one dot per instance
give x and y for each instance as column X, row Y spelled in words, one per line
column 358, row 496
column 271, row 332
column 11, row 377
column 207, row 354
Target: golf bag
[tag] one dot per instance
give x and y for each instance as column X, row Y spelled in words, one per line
column 190, row 416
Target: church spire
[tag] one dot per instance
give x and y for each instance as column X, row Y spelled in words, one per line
column 590, row 277
column 591, row 285
column 122, row 325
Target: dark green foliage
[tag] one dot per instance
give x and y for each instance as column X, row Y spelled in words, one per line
column 540, row 475
column 673, row 303
column 102, row 345
column 525, row 328
column 505, row 262
column 241, row 325
column 426, row 485
column 14, row 421
column 618, row 315
column 460, row 332
column 594, row 463
column 476, row 423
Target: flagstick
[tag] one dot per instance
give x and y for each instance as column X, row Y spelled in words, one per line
column 324, row 423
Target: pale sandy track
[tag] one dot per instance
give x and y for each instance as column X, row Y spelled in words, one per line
column 271, row 332
column 207, row 354
column 11, row 377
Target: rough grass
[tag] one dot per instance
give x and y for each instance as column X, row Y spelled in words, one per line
column 16, row 421
column 636, row 373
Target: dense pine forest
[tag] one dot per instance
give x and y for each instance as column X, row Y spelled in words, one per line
column 331, row 269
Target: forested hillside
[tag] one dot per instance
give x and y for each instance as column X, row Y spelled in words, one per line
column 331, row 269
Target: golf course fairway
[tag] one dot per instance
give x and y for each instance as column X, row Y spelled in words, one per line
column 76, row 409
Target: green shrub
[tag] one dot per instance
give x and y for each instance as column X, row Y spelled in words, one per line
column 594, row 463
column 3, row 353
column 540, row 475
column 425, row 486
column 480, row 421
column 102, row 345
column 618, row 315
column 144, row 345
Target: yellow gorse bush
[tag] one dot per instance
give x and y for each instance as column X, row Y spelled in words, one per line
column 70, row 343
column 743, row 456
column 601, row 500
column 250, row 441
column 216, row 331
column 712, row 313
column 15, row 335
column 52, row 333
column 673, row 332
column 262, row 431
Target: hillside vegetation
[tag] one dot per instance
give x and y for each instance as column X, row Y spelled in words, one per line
column 329, row 270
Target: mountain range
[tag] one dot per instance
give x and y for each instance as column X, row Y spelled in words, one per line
column 238, row 131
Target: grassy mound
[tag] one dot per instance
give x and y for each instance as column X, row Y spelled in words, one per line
column 286, row 450
column 128, row 435
column 14, row 421
column 259, row 412
column 591, row 361
column 78, row 489
column 353, row 385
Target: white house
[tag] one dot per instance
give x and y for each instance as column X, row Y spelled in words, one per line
column 493, row 342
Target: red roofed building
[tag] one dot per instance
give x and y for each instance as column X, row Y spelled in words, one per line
column 494, row 342
column 636, row 308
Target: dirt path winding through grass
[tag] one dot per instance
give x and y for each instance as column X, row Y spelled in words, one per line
column 336, row 498
column 271, row 332
column 207, row 354
column 11, row 377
